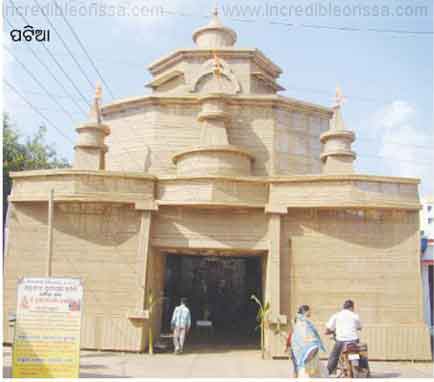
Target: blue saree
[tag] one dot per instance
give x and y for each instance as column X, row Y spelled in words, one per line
column 305, row 341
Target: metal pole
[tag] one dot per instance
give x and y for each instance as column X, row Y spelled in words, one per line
column 50, row 231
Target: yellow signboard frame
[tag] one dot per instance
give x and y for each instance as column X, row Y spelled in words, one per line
column 47, row 328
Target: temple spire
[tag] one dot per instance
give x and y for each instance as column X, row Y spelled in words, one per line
column 339, row 98
column 337, row 122
column 90, row 149
column 214, row 34
column 95, row 110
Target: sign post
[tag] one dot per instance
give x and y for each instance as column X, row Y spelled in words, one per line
column 47, row 328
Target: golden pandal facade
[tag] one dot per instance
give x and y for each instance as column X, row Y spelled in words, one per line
column 214, row 164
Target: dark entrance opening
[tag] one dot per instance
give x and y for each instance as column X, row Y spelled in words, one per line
column 218, row 289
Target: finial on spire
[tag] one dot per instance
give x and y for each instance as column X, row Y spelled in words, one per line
column 98, row 91
column 339, row 97
column 215, row 11
column 95, row 110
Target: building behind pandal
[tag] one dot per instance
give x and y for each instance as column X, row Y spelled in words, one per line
column 214, row 187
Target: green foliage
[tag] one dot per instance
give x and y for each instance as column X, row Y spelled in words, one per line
column 262, row 310
column 151, row 302
column 33, row 154
column 261, row 317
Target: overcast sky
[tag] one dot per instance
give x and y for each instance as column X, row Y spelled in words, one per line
column 387, row 76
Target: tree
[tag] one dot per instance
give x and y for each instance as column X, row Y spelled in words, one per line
column 33, row 154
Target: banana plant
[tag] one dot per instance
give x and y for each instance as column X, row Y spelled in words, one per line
column 151, row 302
column 261, row 317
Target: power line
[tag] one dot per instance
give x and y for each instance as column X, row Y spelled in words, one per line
column 92, row 85
column 73, row 57
column 427, row 147
column 82, row 96
column 68, row 95
column 89, row 58
column 93, row 64
column 43, row 94
column 37, row 111
column 289, row 88
column 359, row 138
column 69, row 78
column 45, row 108
column 39, row 84
column 344, row 28
column 59, row 66
column 84, row 49
column 229, row 15
column 423, row 147
column 104, row 59
column 327, row 92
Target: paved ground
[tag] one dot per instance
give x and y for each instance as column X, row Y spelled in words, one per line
column 218, row 362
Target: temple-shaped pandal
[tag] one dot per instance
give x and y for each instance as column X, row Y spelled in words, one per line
column 215, row 187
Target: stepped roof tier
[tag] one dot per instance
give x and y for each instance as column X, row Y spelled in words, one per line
column 215, row 162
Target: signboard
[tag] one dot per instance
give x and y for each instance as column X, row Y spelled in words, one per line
column 47, row 328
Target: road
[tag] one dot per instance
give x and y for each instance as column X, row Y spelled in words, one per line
column 215, row 362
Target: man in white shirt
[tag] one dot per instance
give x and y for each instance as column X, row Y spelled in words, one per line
column 180, row 323
column 345, row 324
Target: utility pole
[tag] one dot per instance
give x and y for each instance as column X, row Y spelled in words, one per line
column 50, row 231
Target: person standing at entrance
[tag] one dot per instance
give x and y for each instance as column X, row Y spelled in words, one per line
column 181, row 323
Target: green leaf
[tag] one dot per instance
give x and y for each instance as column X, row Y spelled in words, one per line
column 34, row 153
column 254, row 298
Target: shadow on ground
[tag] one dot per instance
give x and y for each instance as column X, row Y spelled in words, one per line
column 93, row 366
column 385, row 375
column 98, row 354
column 99, row 375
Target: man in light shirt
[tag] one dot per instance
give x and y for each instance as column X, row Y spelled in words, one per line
column 181, row 322
column 345, row 324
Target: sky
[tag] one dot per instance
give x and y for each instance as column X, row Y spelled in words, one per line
column 382, row 61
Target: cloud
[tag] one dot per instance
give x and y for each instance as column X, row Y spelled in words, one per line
column 405, row 145
column 396, row 114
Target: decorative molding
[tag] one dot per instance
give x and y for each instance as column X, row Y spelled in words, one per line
column 57, row 172
column 184, row 54
column 146, row 205
column 166, row 77
column 268, row 80
column 273, row 100
column 208, row 68
column 211, row 149
column 275, row 209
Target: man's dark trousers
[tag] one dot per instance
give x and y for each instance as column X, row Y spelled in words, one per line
column 334, row 356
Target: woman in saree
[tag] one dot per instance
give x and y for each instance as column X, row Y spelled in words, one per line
column 306, row 344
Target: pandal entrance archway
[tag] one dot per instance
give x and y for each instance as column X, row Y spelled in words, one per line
column 218, row 286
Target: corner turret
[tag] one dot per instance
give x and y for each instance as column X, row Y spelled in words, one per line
column 337, row 156
column 90, row 149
